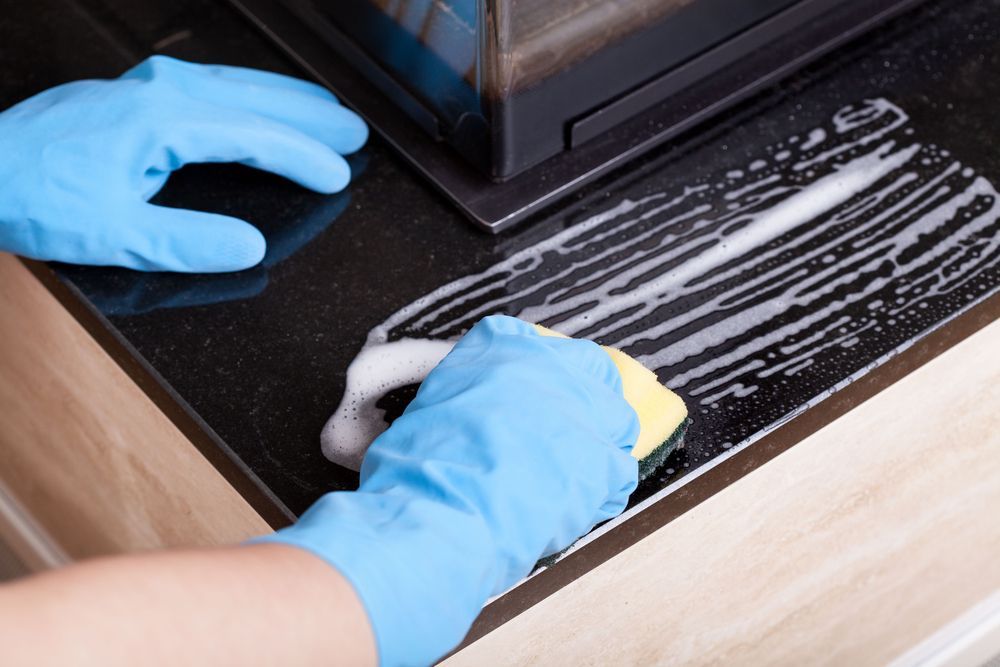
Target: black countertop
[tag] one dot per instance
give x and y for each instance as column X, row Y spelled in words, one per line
column 873, row 221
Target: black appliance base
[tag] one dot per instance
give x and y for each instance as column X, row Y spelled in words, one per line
column 609, row 137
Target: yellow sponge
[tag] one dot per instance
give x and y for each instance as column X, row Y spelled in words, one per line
column 663, row 417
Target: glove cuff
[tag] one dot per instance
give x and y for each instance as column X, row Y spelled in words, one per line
column 422, row 569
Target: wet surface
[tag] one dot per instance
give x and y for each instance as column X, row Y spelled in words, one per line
column 748, row 318
column 754, row 292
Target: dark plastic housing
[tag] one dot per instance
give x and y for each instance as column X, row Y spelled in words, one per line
column 544, row 97
column 508, row 80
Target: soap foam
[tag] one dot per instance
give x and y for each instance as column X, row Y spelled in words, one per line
column 731, row 284
column 377, row 370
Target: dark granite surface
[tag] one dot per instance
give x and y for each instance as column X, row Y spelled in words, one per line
column 261, row 356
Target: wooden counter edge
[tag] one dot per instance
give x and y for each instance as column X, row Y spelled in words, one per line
column 86, row 452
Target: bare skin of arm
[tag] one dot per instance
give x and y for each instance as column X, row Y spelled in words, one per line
column 262, row 604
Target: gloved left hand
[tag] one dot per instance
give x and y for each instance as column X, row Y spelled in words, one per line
column 79, row 162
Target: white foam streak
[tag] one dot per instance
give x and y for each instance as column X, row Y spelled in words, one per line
column 702, row 280
column 808, row 204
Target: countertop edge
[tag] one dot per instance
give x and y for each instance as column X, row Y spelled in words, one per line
column 175, row 408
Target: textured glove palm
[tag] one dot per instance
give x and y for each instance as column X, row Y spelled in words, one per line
column 515, row 445
column 80, row 162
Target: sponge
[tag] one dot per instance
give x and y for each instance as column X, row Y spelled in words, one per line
column 663, row 417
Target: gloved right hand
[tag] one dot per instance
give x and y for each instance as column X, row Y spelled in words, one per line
column 515, row 446
column 79, row 162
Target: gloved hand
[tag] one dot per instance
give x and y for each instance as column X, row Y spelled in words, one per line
column 515, row 446
column 137, row 293
column 79, row 162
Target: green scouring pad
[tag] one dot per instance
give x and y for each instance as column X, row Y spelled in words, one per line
column 663, row 417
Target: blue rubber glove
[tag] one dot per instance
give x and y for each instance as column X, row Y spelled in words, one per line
column 515, row 446
column 79, row 162
column 139, row 293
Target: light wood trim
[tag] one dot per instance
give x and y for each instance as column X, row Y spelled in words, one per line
column 848, row 549
column 86, row 452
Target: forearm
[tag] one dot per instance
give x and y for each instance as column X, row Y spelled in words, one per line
column 262, row 604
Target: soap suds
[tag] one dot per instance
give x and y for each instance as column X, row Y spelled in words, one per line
column 377, row 370
column 799, row 260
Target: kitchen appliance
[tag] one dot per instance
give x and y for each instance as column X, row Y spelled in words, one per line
column 508, row 105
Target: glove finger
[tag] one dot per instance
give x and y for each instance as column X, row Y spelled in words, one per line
column 264, row 78
column 620, row 421
column 167, row 66
column 598, row 379
column 589, row 362
column 298, row 104
column 602, row 496
column 582, row 360
column 492, row 326
column 623, row 478
column 589, row 359
column 173, row 239
column 214, row 134
column 324, row 120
